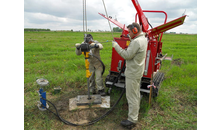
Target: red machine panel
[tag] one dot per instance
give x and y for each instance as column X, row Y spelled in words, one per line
column 150, row 59
column 117, row 60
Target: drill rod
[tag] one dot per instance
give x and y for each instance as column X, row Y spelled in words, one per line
column 88, row 74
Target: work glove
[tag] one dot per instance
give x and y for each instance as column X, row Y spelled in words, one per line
column 114, row 43
column 94, row 45
column 77, row 45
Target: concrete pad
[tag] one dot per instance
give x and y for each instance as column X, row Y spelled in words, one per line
column 83, row 100
column 105, row 103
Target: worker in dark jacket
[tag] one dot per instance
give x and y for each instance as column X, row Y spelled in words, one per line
column 135, row 62
column 95, row 66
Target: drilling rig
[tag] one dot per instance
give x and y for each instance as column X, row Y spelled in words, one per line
column 154, row 54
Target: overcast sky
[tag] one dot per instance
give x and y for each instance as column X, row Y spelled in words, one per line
column 68, row 14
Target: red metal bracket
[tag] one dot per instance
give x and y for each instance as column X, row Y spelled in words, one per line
column 115, row 22
column 155, row 11
column 167, row 26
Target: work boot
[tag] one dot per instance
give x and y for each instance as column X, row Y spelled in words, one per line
column 102, row 92
column 127, row 124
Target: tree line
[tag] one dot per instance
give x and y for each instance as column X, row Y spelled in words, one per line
column 115, row 29
column 35, row 29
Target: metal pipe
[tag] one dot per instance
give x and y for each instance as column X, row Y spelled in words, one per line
column 147, row 62
column 154, row 11
column 88, row 89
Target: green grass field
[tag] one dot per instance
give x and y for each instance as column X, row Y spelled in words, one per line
column 51, row 55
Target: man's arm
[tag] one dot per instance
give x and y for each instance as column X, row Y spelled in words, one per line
column 97, row 45
column 130, row 52
column 78, row 50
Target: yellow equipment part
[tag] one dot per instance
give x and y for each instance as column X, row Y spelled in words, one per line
column 86, row 54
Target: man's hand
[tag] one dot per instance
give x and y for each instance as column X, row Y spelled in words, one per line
column 94, row 45
column 114, row 43
column 77, row 45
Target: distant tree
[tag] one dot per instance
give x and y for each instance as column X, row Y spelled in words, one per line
column 117, row 29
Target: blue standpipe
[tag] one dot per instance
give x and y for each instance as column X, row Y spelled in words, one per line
column 43, row 95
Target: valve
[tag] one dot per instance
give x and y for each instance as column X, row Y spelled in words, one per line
column 42, row 104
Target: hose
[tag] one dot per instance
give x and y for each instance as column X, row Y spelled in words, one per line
column 96, row 120
column 100, row 61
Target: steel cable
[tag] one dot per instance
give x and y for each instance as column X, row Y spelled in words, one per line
column 108, row 20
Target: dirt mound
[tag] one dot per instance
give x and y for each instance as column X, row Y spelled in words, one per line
column 177, row 62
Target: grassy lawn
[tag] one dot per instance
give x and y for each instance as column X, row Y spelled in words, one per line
column 51, row 55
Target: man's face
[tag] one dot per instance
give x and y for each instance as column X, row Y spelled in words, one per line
column 90, row 42
column 131, row 34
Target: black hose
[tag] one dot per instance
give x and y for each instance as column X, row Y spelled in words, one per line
column 85, row 124
column 119, row 75
column 149, row 23
column 57, row 114
column 100, row 61
column 96, row 120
